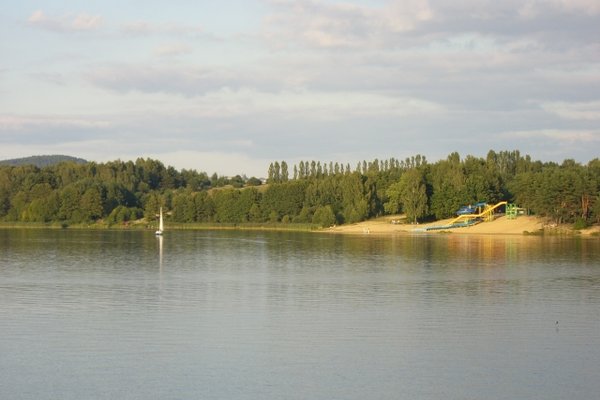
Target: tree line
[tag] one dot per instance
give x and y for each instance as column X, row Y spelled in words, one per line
column 309, row 192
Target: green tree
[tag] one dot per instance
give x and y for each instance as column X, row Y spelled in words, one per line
column 255, row 214
column 184, row 207
column 253, row 181
column 44, row 209
column 273, row 216
column 448, row 185
column 596, row 208
column 4, row 202
column 233, row 206
column 305, row 215
column 122, row 214
column 237, row 182
column 394, row 195
column 152, row 206
column 354, row 197
column 91, row 206
column 284, row 172
column 413, row 195
column 205, row 207
column 284, row 198
column 69, row 204
column 324, row 216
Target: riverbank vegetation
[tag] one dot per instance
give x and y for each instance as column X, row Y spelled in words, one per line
column 309, row 193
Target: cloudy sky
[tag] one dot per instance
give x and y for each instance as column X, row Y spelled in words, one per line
column 229, row 86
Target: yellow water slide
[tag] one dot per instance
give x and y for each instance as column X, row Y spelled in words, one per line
column 487, row 214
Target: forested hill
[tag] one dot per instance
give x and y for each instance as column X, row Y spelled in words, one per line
column 42, row 161
column 310, row 192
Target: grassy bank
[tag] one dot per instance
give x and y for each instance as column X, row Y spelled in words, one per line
column 530, row 226
column 244, row 226
column 140, row 225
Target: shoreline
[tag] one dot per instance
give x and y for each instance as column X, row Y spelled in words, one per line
column 383, row 226
column 169, row 227
column 522, row 225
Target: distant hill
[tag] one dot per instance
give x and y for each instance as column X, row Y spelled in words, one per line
column 42, row 161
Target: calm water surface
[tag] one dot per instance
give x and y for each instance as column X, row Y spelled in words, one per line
column 251, row 315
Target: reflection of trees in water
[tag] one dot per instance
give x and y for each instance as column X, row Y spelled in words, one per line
column 306, row 269
column 433, row 250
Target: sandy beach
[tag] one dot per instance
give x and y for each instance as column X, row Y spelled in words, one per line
column 500, row 226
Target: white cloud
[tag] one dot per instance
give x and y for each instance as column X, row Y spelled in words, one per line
column 555, row 144
column 181, row 80
column 25, row 123
column 84, row 22
column 406, row 15
column 454, row 30
column 65, row 23
column 172, row 50
column 50, row 77
column 164, row 28
column 315, row 23
column 152, row 79
column 342, row 105
column 536, row 8
column 562, row 136
column 575, row 111
column 411, row 75
column 302, row 104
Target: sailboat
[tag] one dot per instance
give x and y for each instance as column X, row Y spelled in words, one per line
column 161, row 227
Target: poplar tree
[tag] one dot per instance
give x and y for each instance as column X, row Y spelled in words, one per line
column 302, row 170
column 413, row 195
column 276, row 172
column 284, row 172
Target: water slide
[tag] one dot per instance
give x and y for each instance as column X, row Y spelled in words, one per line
column 469, row 219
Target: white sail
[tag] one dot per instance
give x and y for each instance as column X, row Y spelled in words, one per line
column 161, row 227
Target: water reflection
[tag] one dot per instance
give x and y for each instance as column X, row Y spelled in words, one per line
column 160, row 252
column 285, row 315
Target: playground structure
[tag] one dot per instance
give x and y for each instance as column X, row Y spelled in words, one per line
column 512, row 211
column 480, row 212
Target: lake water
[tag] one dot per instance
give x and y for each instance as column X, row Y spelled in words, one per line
column 254, row 315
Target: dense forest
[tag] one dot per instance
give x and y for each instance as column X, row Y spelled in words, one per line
column 311, row 192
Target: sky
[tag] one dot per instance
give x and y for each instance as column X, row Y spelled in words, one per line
column 230, row 86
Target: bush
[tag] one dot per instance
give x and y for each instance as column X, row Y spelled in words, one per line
column 273, row 216
column 580, row 223
column 254, row 182
column 123, row 214
column 324, row 216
